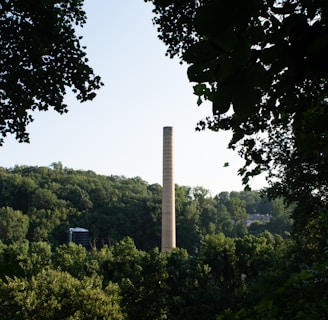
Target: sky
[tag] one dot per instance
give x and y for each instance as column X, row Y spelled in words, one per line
column 120, row 132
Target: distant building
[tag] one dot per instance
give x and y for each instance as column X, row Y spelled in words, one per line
column 262, row 218
column 79, row 236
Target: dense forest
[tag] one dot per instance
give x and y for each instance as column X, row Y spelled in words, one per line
column 232, row 247
column 47, row 201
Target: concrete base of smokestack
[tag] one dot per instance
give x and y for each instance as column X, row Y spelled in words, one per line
column 168, row 196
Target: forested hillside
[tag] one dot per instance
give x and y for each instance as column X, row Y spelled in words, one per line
column 222, row 268
column 42, row 203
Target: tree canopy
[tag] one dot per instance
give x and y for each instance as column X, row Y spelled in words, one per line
column 42, row 203
column 40, row 57
column 222, row 269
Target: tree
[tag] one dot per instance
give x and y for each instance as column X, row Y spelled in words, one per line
column 253, row 200
column 38, row 256
column 141, row 277
column 144, row 293
column 179, row 282
column 41, row 56
column 55, row 294
column 237, row 209
column 206, row 205
column 262, row 66
column 13, row 225
column 255, row 254
column 11, row 257
column 43, row 222
column 187, row 220
column 279, row 295
column 217, row 255
column 71, row 258
column 224, row 220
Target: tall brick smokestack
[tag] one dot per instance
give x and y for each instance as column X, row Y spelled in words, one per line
column 168, row 196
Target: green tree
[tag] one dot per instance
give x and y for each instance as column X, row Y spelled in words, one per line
column 216, row 268
column 218, row 252
column 254, row 255
column 43, row 222
column 179, row 281
column 15, row 190
column 44, row 199
column 238, row 214
column 223, row 197
column 279, row 294
column 144, row 294
column 38, row 257
column 71, row 258
column 41, row 57
column 187, row 219
column 207, row 207
column 12, row 259
column 225, row 224
column 192, row 287
column 13, row 225
column 125, row 260
column 77, row 195
column 237, row 209
column 253, row 200
column 55, row 294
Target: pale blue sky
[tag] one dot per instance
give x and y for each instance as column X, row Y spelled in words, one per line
column 120, row 131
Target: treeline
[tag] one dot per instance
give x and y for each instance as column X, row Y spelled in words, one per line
column 254, row 277
column 224, row 268
column 122, row 282
column 42, row 203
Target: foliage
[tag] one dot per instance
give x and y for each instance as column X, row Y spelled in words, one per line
column 280, row 295
column 254, row 277
column 145, row 292
column 71, row 258
column 197, row 282
column 53, row 294
column 41, row 57
column 11, row 257
column 13, row 225
column 53, row 199
column 37, row 257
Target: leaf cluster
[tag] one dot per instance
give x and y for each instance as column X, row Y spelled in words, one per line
column 41, row 56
